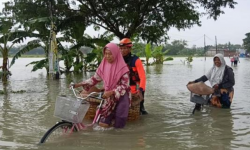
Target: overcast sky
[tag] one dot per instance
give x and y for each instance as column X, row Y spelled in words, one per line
column 229, row 27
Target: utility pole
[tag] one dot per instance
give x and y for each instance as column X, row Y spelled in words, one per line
column 216, row 44
column 205, row 47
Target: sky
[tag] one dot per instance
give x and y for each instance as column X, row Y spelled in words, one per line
column 229, row 27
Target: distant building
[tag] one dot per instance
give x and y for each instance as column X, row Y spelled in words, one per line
column 241, row 51
column 225, row 52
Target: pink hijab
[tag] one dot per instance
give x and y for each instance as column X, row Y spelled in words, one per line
column 112, row 72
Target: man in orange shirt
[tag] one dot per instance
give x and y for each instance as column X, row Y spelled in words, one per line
column 137, row 72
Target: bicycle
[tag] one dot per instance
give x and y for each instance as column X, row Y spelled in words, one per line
column 201, row 94
column 72, row 113
column 199, row 100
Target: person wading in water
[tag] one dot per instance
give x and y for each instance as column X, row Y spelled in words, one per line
column 137, row 72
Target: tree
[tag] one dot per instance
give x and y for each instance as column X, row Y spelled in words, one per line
column 246, row 42
column 40, row 24
column 72, row 27
column 176, row 47
column 39, row 17
column 139, row 49
column 10, row 33
column 148, row 20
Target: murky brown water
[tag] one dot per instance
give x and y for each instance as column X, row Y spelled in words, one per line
column 25, row 117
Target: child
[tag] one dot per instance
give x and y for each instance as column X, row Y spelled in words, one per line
column 232, row 61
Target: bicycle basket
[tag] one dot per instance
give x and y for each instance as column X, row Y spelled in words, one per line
column 70, row 109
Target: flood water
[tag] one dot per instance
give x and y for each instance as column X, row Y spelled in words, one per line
column 26, row 112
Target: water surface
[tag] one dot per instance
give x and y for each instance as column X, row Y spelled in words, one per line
column 25, row 117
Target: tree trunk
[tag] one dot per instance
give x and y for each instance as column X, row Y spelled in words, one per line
column 147, row 63
column 5, row 69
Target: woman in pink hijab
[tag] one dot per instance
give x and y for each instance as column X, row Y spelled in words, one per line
column 114, row 73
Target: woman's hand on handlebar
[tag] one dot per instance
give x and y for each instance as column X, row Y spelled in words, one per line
column 101, row 90
column 108, row 94
column 216, row 86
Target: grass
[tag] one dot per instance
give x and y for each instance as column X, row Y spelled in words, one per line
column 15, row 92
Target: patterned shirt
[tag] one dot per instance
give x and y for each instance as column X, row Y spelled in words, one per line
column 120, row 89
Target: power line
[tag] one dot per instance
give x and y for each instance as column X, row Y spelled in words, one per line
column 209, row 38
column 191, row 40
column 197, row 39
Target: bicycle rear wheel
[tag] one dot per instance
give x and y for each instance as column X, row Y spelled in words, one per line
column 57, row 130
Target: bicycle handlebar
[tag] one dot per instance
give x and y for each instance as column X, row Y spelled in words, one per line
column 89, row 95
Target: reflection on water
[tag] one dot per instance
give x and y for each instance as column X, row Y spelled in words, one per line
column 25, row 117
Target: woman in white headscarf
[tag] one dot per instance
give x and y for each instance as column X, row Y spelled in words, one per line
column 221, row 78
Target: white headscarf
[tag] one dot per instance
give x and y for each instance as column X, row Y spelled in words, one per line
column 215, row 74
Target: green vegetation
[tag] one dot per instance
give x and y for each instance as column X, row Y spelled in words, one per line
column 9, row 35
column 15, row 92
column 1, row 92
column 189, row 59
column 148, row 53
column 146, row 20
column 246, row 42
column 169, row 59
column 20, row 91
column 158, row 54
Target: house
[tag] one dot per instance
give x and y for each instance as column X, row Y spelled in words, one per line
column 225, row 52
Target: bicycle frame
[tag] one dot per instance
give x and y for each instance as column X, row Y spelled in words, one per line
column 98, row 111
column 66, row 126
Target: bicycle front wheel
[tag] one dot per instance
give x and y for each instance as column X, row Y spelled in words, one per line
column 57, row 130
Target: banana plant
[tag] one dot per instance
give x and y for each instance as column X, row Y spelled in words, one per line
column 158, row 54
column 148, row 53
column 189, row 59
column 10, row 34
column 39, row 24
column 30, row 46
column 89, row 58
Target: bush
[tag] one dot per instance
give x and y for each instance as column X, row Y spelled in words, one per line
column 169, row 59
column 1, row 92
column 189, row 59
